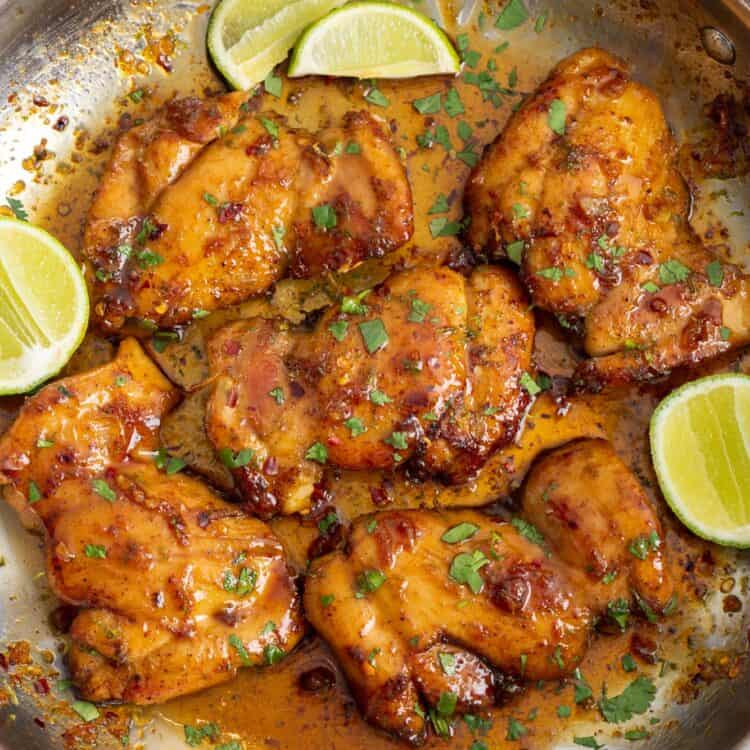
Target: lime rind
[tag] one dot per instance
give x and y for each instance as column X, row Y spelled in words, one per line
column 246, row 38
column 700, row 445
column 44, row 306
column 393, row 34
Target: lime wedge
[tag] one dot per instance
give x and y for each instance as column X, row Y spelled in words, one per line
column 44, row 306
column 700, row 444
column 374, row 40
column 246, row 38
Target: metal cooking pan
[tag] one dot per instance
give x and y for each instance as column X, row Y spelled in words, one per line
column 67, row 47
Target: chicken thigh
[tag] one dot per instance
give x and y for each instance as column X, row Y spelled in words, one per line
column 208, row 203
column 177, row 588
column 426, row 368
column 582, row 187
column 421, row 604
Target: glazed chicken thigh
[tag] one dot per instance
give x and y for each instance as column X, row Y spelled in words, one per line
column 426, row 368
column 177, row 588
column 583, row 186
column 426, row 603
column 208, row 203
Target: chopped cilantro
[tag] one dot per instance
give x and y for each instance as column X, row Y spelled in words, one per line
column 465, row 569
column 272, row 84
column 273, row 654
column 459, row 533
column 527, row 530
column 317, row 452
column 556, row 116
column 369, row 581
column 270, row 127
column 374, row 334
column 516, row 730
column 236, row 643
column 441, row 227
column 447, row 662
column 453, row 105
column 398, row 440
column 715, row 273
column 581, row 689
column 324, row 216
column 673, row 272
column 96, row 551
column 353, row 148
column 628, row 663
column 512, row 16
column 419, row 310
column 529, row 384
column 17, row 209
column 354, row 305
column 233, row 460
column 619, row 610
column 277, row 394
column 355, row 426
column 440, row 206
column 635, row 699
column 278, row 232
column 429, row 105
column 587, row 742
column 87, row 711
column 103, row 490
column 376, row 97
column 514, row 251
column 379, row 398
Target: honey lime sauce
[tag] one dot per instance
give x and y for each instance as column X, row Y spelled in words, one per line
column 272, row 708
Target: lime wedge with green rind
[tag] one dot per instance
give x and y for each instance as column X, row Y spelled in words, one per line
column 700, row 444
column 44, row 306
column 247, row 38
column 371, row 39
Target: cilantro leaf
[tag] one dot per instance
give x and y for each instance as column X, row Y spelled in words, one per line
column 635, row 699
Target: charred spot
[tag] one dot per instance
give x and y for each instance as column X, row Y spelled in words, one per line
column 381, row 496
column 644, row 648
column 229, row 614
column 230, row 212
column 296, row 389
column 61, row 618
column 260, row 146
column 40, row 101
column 258, row 498
column 564, row 513
column 61, row 123
column 317, row 679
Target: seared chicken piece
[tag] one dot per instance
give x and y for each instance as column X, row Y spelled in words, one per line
column 427, row 366
column 584, row 177
column 423, row 603
column 422, row 597
column 178, row 588
column 207, row 204
column 586, row 502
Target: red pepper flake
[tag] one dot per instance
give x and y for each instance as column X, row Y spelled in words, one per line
column 230, row 212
